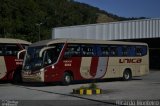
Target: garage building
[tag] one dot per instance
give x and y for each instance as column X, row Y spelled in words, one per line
column 143, row 30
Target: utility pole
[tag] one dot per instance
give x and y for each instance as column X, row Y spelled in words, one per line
column 39, row 27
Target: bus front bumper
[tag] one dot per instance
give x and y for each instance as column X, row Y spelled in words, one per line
column 36, row 77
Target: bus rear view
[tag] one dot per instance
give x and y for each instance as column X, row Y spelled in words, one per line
column 10, row 65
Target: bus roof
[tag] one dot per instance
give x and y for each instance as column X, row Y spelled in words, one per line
column 12, row 41
column 87, row 41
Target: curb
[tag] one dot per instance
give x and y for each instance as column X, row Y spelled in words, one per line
column 87, row 91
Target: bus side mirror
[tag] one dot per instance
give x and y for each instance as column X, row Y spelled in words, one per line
column 21, row 54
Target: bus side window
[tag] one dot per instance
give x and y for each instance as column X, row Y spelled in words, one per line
column 144, row 50
column 113, row 51
column 125, row 51
column 51, row 56
column 131, row 51
column 72, row 50
column 11, row 50
column 88, row 50
column 104, row 51
column 141, row 50
column 138, row 51
column 1, row 51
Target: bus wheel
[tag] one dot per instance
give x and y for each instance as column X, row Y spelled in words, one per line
column 67, row 78
column 127, row 75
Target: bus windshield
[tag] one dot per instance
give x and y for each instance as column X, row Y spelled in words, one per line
column 33, row 61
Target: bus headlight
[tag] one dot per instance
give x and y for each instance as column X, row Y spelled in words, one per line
column 41, row 69
column 53, row 67
column 38, row 74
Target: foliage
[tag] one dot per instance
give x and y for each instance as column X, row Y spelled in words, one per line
column 20, row 18
column 90, row 86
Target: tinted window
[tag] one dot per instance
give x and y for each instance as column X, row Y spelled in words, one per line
column 125, row 50
column 73, row 50
column 11, row 50
column 114, row 51
column 51, row 56
column 88, row 50
column 140, row 50
column 104, row 50
column 1, row 50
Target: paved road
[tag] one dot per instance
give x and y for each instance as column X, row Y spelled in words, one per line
column 141, row 88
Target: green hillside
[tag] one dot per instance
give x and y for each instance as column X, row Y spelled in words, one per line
column 20, row 18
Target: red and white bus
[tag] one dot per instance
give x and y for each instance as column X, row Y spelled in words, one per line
column 10, row 66
column 74, row 59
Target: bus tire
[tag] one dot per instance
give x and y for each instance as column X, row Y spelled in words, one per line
column 127, row 75
column 17, row 78
column 67, row 78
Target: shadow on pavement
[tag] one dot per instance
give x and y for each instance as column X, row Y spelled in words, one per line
column 35, row 84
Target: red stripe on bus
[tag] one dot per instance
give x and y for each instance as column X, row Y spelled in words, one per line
column 94, row 65
column 10, row 66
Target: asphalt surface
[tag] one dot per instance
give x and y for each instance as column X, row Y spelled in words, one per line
column 115, row 92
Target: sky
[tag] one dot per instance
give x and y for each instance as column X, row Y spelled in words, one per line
column 128, row 8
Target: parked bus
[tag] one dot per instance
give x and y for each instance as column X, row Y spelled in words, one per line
column 67, row 60
column 10, row 66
